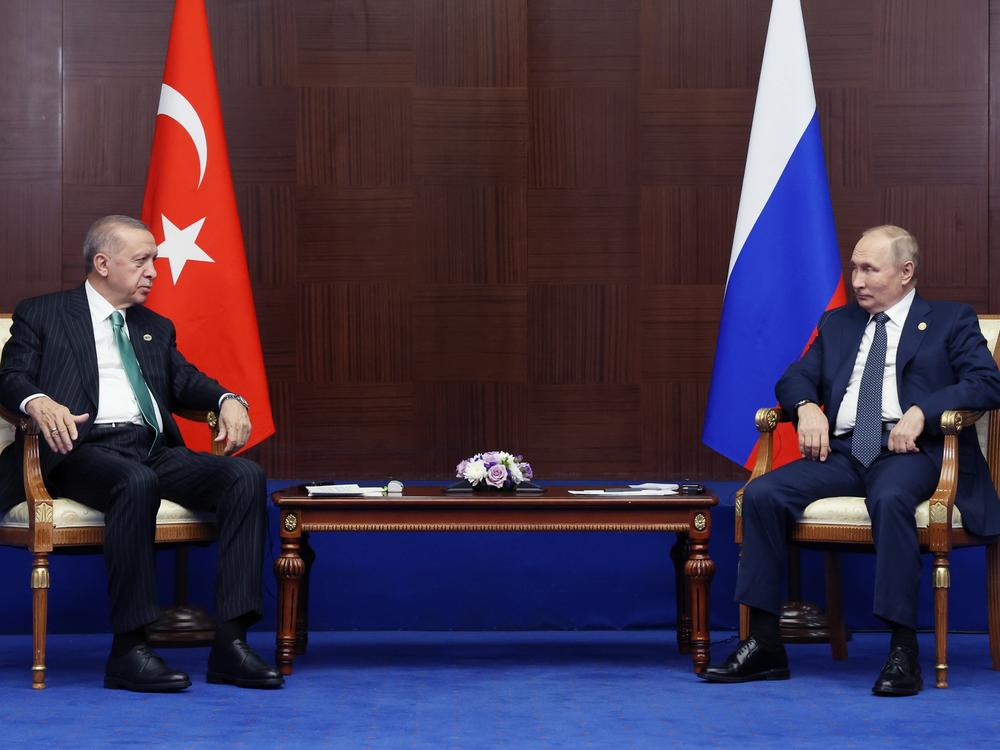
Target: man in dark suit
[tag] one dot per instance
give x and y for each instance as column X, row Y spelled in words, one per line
column 867, row 399
column 101, row 374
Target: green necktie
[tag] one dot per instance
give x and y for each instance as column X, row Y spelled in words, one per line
column 134, row 375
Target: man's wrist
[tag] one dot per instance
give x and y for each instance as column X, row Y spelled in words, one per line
column 802, row 403
column 236, row 397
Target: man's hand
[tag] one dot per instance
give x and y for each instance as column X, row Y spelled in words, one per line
column 903, row 437
column 814, row 432
column 234, row 425
column 55, row 422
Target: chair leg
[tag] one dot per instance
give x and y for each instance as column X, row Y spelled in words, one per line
column 744, row 622
column 942, row 582
column 39, row 615
column 834, row 611
column 993, row 599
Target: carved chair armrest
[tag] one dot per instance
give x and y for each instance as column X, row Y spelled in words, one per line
column 20, row 421
column 953, row 421
column 209, row 417
column 767, row 421
column 38, row 497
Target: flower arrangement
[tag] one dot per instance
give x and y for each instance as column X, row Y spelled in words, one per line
column 497, row 469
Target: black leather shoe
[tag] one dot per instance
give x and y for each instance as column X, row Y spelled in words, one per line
column 900, row 675
column 750, row 661
column 235, row 663
column 141, row 670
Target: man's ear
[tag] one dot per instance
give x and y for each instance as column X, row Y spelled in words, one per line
column 101, row 264
column 907, row 271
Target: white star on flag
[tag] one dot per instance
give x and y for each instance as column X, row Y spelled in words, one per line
column 179, row 246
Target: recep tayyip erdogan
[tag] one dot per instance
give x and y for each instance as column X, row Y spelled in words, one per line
column 100, row 374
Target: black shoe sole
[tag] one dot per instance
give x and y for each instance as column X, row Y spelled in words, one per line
column 266, row 683
column 117, row 683
column 767, row 674
column 895, row 692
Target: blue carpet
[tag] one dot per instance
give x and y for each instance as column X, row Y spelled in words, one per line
column 594, row 689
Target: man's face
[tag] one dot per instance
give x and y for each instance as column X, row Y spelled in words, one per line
column 877, row 281
column 128, row 272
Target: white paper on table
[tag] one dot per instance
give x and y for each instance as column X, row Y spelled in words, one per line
column 654, row 486
column 343, row 489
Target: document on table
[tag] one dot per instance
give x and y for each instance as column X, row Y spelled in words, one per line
column 648, row 489
column 343, row 490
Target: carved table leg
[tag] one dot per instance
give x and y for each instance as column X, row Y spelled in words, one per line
column 39, row 615
column 288, row 568
column 699, row 569
column 679, row 554
column 302, row 611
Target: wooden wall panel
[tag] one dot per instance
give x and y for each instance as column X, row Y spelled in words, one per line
column 499, row 223
column 30, row 148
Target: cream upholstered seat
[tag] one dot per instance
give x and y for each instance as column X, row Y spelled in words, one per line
column 43, row 524
column 851, row 511
column 835, row 524
column 68, row 513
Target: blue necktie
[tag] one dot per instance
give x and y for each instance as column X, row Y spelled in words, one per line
column 134, row 375
column 866, row 442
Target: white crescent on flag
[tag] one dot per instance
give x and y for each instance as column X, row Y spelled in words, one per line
column 174, row 105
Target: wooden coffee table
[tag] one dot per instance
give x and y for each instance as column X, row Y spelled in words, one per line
column 430, row 509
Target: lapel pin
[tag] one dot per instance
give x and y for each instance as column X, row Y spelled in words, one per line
column 922, row 326
column 147, row 337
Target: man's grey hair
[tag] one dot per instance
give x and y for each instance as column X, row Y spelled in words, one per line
column 902, row 244
column 103, row 237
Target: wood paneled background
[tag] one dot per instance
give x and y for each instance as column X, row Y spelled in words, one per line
column 499, row 223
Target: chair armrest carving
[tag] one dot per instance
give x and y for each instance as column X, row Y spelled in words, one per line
column 20, row 421
column 954, row 420
column 209, row 417
column 767, row 419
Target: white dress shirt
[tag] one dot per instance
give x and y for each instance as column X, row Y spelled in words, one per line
column 891, row 410
column 115, row 399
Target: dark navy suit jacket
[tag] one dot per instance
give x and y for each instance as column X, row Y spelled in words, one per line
column 51, row 350
column 942, row 363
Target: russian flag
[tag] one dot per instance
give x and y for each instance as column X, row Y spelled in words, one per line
column 785, row 269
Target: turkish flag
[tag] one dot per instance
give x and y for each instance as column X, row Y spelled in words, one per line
column 203, row 284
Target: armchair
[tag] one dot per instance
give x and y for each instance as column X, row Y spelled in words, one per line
column 43, row 525
column 835, row 524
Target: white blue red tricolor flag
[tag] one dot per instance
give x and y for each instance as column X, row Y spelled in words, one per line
column 785, row 269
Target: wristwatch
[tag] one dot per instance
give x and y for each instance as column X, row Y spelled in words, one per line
column 803, row 401
column 240, row 399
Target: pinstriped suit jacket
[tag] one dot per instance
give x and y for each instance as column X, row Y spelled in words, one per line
column 52, row 351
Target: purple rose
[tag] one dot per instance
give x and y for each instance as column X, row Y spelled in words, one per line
column 496, row 475
column 526, row 470
column 460, row 469
column 491, row 457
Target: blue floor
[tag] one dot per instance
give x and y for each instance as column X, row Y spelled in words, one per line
column 554, row 689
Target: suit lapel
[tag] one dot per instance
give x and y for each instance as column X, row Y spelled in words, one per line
column 912, row 337
column 80, row 332
column 146, row 344
column 850, row 342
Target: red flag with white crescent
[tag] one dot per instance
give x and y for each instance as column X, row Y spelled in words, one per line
column 203, row 284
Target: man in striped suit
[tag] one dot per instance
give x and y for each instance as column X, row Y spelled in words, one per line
column 101, row 374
